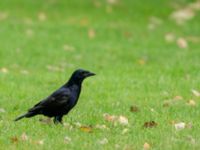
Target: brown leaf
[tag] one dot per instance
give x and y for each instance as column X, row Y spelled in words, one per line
column 150, row 124
column 182, row 43
column 110, row 118
column 182, row 15
column 91, row 33
column 87, row 129
column 14, row 139
column 24, row 137
column 191, row 103
column 134, row 108
column 146, row 146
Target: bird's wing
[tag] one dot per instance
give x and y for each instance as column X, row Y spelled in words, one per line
column 55, row 100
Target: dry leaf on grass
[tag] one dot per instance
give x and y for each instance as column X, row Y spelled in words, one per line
column 67, row 139
column 146, row 146
column 103, row 141
column 134, row 108
column 91, row 33
column 182, row 43
column 4, row 70
column 14, row 139
column 99, row 126
column 116, row 119
column 87, row 129
column 170, row 37
column 195, row 93
column 180, row 125
column 182, row 15
column 42, row 16
column 24, row 137
column 110, row 118
column 150, row 124
column 40, row 142
column 191, row 102
column 2, row 110
column 123, row 120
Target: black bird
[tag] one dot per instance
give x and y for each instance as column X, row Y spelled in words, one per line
column 60, row 102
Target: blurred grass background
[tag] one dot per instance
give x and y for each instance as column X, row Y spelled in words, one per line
column 143, row 52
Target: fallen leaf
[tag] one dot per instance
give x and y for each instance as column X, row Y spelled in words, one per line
column 180, row 125
column 4, row 70
column 14, row 139
column 189, row 125
column 67, row 139
column 2, row 110
column 110, row 118
column 87, row 129
column 123, row 120
column 103, row 126
column 195, row 5
column 134, row 108
column 42, row 16
column 24, row 137
column 182, row 43
column 191, row 103
column 178, row 97
column 91, row 33
column 146, row 146
column 150, row 124
column 40, row 142
column 196, row 93
column 103, row 141
column 170, row 37
column 182, row 15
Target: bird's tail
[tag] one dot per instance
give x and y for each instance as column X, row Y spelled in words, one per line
column 20, row 117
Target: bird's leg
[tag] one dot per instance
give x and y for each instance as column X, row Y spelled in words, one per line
column 57, row 119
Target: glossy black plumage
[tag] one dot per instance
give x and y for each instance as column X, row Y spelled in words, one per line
column 60, row 102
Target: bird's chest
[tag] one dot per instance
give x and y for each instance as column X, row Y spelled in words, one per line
column 75, row 92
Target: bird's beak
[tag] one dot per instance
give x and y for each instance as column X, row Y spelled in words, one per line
column 90, row 74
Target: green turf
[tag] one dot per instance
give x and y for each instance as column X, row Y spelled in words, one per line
column 43, row 42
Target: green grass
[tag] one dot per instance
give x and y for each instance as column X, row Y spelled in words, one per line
column 121, row 44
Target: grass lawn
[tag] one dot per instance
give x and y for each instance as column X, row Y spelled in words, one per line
column 144, row 53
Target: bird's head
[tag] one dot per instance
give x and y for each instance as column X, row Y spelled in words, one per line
column 79, row 75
